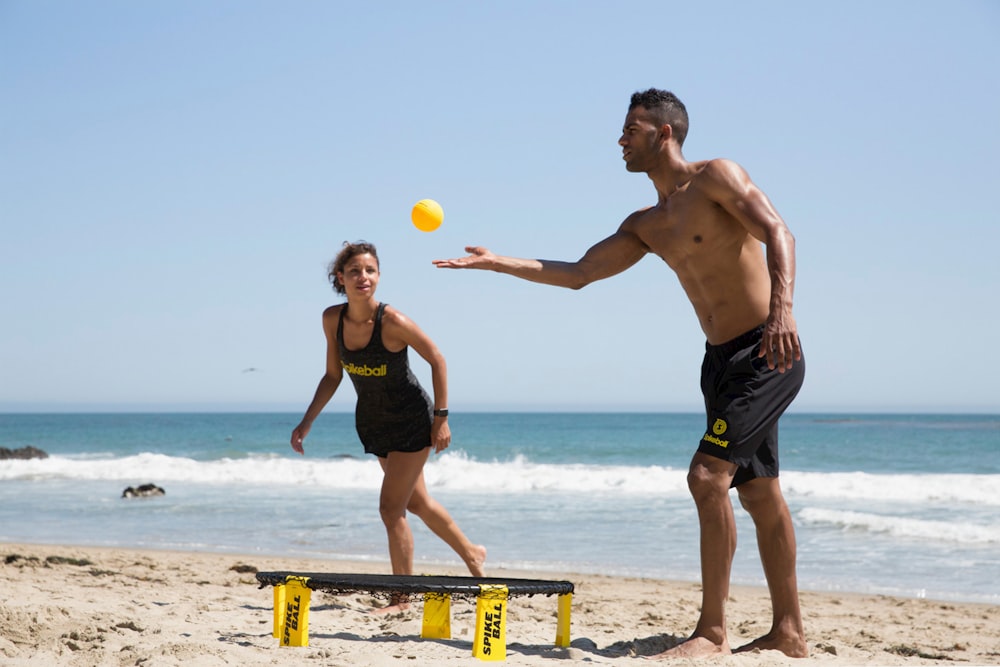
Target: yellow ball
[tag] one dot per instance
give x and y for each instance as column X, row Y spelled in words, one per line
column 427, row 215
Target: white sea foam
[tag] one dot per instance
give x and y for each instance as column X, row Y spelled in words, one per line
column 895, row 526
column 914, row 488
column 457, row 472
column 454, row 472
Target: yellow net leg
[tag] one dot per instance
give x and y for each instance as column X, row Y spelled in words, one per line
column 490, row 642
column 279, row 610
column 437, row 616
column 295, row 631
column 562, row 623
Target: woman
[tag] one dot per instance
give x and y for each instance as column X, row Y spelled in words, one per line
column 395, row 418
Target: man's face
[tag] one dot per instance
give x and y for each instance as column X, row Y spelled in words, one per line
column 640, row 140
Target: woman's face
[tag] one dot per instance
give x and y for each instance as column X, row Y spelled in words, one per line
column 360, row 276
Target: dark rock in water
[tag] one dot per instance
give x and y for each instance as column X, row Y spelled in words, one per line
column 22, row 453
column 143, row 491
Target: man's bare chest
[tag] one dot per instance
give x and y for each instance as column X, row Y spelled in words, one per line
column 687, row 227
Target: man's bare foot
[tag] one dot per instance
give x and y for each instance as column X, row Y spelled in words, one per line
column 793, row 647
column 695, row 647
column 475, row 564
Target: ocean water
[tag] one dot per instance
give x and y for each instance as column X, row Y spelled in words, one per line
column 897, row 504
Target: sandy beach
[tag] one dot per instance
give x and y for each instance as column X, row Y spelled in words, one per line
column 85, row 606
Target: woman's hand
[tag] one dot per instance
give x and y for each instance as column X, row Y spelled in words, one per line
column 299, row 434
column 440, row 434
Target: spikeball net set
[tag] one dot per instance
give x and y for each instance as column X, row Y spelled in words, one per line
column 292, row 596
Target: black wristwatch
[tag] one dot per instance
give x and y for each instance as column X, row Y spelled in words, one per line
column 441, row 413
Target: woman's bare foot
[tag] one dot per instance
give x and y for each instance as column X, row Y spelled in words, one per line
column 476, row 562
column 397, row 604
column 695, row 647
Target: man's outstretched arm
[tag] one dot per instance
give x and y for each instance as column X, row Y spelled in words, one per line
column 607, row 258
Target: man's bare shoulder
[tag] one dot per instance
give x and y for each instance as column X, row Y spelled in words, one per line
column 721, row 174
column 636, row 217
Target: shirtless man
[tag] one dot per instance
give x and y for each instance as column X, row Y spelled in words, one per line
column 711, row 225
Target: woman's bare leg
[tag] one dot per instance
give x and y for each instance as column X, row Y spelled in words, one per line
column 441, row 524
column 401, row 471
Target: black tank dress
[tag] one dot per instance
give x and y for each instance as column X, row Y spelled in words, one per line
column 394, row 413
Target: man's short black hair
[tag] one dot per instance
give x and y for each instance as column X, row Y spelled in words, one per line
column 667, row 108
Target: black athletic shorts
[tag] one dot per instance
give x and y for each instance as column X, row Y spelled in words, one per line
column 743, row 401
column 403, row 427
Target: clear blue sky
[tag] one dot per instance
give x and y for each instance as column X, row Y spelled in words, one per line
column 175, row 176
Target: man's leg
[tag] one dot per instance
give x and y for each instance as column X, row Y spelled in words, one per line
column 762, row 498
column 709, row 479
